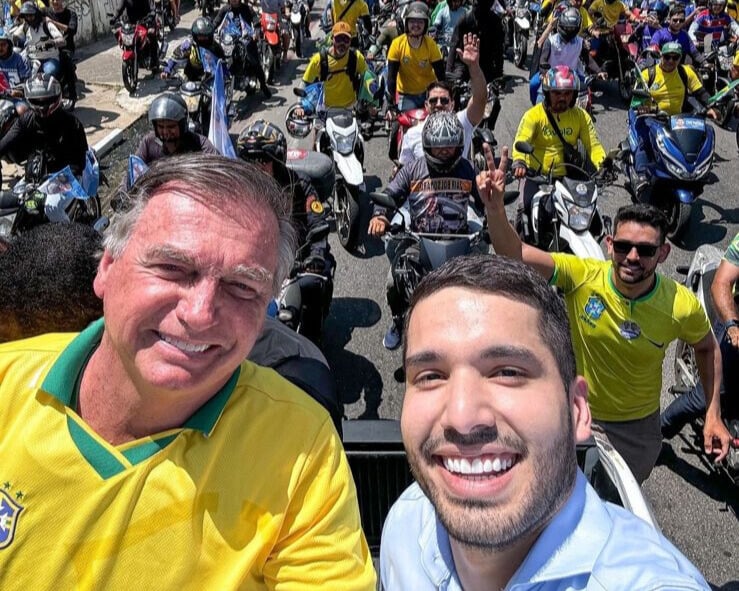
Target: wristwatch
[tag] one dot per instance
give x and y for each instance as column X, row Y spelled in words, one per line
column 733, row 323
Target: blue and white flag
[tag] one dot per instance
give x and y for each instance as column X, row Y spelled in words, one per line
column 136, row 167
column 7, row 19
column 91, row 173
column 209, row 60
column 63, row 183
column 218, row 134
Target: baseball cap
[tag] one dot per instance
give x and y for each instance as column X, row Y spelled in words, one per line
column 672, row 47
column 341, row 28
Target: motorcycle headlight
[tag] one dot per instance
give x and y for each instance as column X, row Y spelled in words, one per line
column 579, row 217
column 127, row 38
column 192, row 101
column 345, row 143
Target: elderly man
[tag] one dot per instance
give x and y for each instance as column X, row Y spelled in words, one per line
column 146, row 440
column 491, row 414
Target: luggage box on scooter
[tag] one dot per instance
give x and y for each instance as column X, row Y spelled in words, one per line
column 315, row 165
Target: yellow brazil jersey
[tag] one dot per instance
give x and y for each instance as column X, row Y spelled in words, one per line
column 253, row 492
column 611, row 12
column 416, row 71
column 620, row 344
column 574, row 124
column 668, row 90
column 338, row 90
column 357, row 9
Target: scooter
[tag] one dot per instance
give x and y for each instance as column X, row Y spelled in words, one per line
column 683, row 151
column 564, row 213
column 698, row 279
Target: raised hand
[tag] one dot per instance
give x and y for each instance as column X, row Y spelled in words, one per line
column 491, row 182
column 471, row 52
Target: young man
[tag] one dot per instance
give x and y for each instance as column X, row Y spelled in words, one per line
column 623, row 316
column 492, row 411
column 675, row 32
column 152, row 425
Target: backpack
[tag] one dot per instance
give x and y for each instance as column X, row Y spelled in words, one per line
column 652, row 72
column 351, row 68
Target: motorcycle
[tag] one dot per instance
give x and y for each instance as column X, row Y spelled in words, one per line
column 618, row 54
column 299, row 15
column 341, row 140
column 405, row 121
column 270, row 44
column 517, row 29
column 164, row 12
column 714, row 73
column 564, row 213
column 683, row 151
column 135, row 42
column 31, row 192
column 698, row 279
column 234, row 37
column 483, row 133
column 207, row 7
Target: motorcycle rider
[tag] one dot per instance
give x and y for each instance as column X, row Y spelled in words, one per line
column 439, row 98
column 139, row 11
column 446, row 18
column 202, row 36
column 713, row 21
column 170, row 136
column 413, row 62
column 16, row 70
column 65, row 19
column 560, row 86
column 675, row 31
column 692, row 404
column 242, row 10
column 42, row 38
column 670, row 84
column 46, row 126
column 264, row 145
column 438, row 188
column 646, row 30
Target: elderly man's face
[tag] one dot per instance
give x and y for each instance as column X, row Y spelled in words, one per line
column 487, row 423
column 186, row 300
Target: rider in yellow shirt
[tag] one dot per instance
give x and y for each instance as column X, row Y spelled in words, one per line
column 349, row 12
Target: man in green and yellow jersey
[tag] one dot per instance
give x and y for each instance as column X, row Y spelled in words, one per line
column 623, row 316
column 144, row 452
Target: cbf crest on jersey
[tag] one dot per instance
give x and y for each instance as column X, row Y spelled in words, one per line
column 10, row 511
column 594, row 307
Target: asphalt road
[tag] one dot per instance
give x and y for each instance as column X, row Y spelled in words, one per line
column 696, row 509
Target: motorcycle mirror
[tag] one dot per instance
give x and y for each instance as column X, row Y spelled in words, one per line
column 318, row 232
column 509, row 197
column 299, row 92
column 383, row 199
column 524, row 147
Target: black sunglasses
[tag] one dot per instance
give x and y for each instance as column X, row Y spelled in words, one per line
column 671, row 57
column 435, row 100
column 644, row 250
column 677, row 20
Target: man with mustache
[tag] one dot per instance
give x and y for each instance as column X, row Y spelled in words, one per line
column 492, row 410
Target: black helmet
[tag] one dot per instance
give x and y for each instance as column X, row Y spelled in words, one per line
column 262, row 138
column 169, row 107
column 442, row 130
column 568, row 24
column 43, row 94
column 417, row 10
column 29, row 9
column 202, row 31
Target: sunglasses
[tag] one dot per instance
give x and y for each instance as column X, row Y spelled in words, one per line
column 677, row 20
column 444, row 100
column 343, row 39
column 671, row 57
column 644, row 250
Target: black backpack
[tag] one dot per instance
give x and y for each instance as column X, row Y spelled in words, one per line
column 350, row 70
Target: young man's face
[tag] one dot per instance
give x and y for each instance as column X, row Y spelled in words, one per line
column 439, row 99
column 487, row 423
column 631, row 266
column 341, row 44
column 185, row 301
column 676, row 22
column 561, row 100
column 669, row 61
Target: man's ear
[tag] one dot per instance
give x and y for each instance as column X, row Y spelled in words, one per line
column 664, row 250
column 581, row 418
column 104, row 270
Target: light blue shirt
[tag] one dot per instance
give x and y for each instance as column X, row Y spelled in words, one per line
column 589, row 544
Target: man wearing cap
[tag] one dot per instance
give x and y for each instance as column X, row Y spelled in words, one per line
column 339, row 68
column 670, row 84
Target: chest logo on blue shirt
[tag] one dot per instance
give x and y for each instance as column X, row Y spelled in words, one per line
column 594, row 307
column 10, row 510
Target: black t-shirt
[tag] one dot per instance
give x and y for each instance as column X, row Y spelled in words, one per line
column 68, row 18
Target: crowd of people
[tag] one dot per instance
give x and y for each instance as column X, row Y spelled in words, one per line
column 160, row 429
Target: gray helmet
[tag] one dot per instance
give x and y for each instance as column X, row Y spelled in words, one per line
column 568, row 24
column 29, row 9
column 442, row 130
column 170, row 107
column 43, row 94
column 417, row 10
column 202, row 27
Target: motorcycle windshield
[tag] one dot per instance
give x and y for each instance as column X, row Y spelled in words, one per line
column 341, row 117
column 439, row 206
column 689, row 133
column 581, row 193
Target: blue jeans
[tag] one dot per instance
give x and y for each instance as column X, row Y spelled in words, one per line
column 406, row 102
column 692, row 404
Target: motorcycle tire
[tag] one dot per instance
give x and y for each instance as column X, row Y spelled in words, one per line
column 86, row 212
column 267, row 62
column 679, row 218
column 346, row 209
column 626, row 86
column 521, row 51
column 130, row 72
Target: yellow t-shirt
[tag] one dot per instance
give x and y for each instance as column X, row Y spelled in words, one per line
column 356, row 10
column 668, row 90
column 620, row 344
column 574, row 124
column 253, row 492
column 415, row 72
column 338, row 90
column 611, row 12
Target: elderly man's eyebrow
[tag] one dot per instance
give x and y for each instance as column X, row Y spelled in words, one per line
column 513, row 352
column 171, row 253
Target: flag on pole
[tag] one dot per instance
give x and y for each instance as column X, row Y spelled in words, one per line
column 218, row 133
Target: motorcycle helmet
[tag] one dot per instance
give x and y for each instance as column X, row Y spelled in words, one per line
column 417, row 10
column 296, row 126
column 29, row 9
column 262, row 138
column 560, row 78
column 43, row 94
column 442, row 130
column 568, row 24
column 5, row 36
column 169, row 107
column 202, row 31
column 717, row 4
